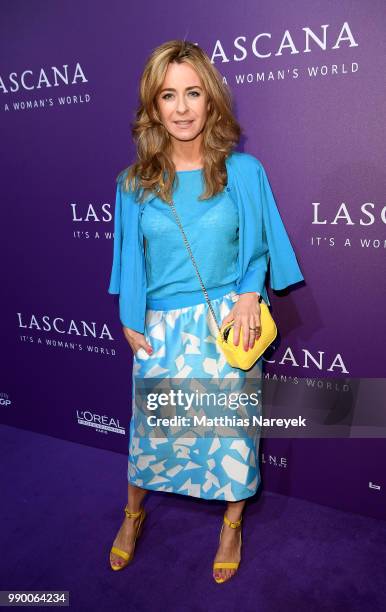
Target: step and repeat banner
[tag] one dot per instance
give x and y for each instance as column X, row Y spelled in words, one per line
column 308, row 91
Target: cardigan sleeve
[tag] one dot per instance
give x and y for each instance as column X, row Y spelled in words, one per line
column 115, row 276
column 128, row 274
column 272, row 246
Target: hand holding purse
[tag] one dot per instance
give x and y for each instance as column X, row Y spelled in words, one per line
column 235, row 354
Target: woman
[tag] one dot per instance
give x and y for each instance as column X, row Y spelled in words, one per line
column 185, row 133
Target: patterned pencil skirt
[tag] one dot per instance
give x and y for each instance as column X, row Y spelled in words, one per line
column 223, row 466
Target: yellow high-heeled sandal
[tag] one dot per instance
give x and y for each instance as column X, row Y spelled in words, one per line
column 228, row 564
column 122, row 553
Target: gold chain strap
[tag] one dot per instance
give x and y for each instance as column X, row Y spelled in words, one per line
column 194, row 263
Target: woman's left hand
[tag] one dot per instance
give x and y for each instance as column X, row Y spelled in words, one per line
column 246, row 315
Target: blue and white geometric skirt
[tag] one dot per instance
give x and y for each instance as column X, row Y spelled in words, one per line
column 184, row 347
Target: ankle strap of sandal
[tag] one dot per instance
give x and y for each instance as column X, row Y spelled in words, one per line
column 132, row 514
column 233, row 524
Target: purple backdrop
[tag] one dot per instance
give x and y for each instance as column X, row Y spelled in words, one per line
column 307, row 86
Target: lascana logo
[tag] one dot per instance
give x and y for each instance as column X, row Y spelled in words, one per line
column 305, row 360
column 263, row 45
column 61, row 326
column 85, row 217
column 345, row 214
column 57, row 333
column 91, row 213
column 101, row 423
column 4, row 400
column 30, row 80
column 346, row 226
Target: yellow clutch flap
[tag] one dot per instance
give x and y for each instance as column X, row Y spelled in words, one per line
column 235, row 355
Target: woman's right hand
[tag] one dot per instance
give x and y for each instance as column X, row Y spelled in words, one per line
column 136, row 340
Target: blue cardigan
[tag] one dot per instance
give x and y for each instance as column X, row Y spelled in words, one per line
column 263, row 240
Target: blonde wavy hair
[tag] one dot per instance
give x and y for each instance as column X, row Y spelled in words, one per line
column 154, row 172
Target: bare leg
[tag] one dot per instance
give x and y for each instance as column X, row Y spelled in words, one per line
column 229, row 546
column 125, row 536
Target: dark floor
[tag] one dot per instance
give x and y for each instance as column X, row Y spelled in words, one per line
column 62, row 504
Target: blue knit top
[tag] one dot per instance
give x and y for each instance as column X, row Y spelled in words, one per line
column 212, row 229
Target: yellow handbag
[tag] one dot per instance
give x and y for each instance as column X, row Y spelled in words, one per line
column 235, row 355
